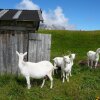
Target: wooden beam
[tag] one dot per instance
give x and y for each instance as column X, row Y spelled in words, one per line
column 17, row 28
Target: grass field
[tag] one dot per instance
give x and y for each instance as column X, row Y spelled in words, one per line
column 84, row 83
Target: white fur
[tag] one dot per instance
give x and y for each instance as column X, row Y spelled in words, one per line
column 93, row 57
column 72, row 59
column 59, row 60
column 35, row 70
column 66, row 66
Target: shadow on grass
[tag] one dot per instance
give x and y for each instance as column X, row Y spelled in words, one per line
column 20, row 81
column 34, row 82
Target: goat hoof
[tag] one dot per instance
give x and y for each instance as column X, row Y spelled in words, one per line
column 63, row 81
column 50, row 87
column 29, row 87
column 41, row 86
column 67, row 80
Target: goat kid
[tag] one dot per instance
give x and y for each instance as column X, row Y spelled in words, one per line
column 66, row 66
column 93, row 57
column 59, row 60
column 35, row 70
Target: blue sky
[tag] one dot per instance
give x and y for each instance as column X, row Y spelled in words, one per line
column 80, row 14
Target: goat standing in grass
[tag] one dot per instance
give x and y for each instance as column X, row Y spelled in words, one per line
column 93, row 57
column 72, row 63
column 59, row 60
column 35, row 70
column 66, row 66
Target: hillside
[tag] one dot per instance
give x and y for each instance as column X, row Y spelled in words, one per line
column 78, row 42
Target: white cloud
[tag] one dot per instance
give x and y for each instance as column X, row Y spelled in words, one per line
column 27, row 4
column 52, row 18
column 57, row 18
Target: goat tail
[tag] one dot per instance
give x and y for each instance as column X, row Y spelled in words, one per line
column 53, row 70
column 53, row 59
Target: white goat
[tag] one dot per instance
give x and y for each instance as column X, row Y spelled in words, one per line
column 35, row 70
column 66, row 66
column 93, row 57
column 72, row 59
column 59, row 60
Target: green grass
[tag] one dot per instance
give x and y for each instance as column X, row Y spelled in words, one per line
column 84, row 83
column 75, row 41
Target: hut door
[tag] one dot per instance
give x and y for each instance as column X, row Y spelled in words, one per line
column 39, row 47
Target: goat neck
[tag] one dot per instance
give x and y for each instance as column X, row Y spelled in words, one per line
column 98, row 50
column 21, row 62
column 96, row 55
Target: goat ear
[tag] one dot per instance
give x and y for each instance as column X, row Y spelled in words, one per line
column 25, row 53
column 17, row 52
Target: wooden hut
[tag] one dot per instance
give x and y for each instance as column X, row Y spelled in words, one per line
column 17, row 32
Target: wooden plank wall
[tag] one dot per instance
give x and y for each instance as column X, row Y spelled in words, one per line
column 9, row 43
column 39, row 47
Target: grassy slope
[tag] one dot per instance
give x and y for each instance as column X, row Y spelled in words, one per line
column 83, row 85
column 75, row 41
